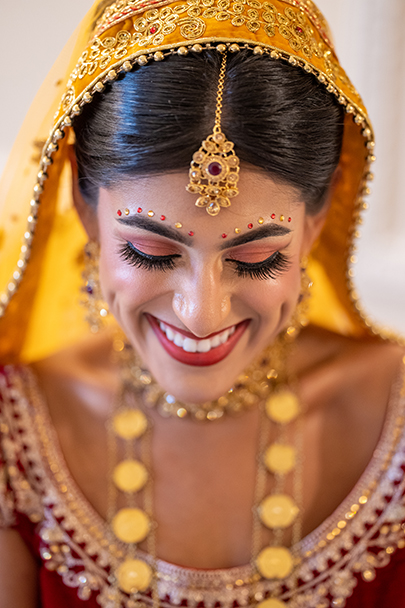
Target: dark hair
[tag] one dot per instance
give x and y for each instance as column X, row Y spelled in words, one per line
column 152, row 121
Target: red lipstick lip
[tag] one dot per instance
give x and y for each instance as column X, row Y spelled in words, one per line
column 215, row 355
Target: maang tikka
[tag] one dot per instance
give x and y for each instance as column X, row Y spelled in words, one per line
column 214, row 169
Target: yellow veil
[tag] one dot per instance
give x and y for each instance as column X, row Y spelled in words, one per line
column 41, row 239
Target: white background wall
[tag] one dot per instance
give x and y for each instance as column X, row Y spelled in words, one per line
column 371, row 45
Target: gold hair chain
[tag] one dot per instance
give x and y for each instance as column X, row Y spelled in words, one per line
column 214, row 169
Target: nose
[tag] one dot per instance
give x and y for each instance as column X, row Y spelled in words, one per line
column 203, row 302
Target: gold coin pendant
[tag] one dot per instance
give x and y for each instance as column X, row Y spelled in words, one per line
column 280, row 458
column 130, row 525
column 282, row 407
column 275, row 562
column 130, row 475
column 272, row 602
column 134, row 575
column 278, row 511
column 130, row 424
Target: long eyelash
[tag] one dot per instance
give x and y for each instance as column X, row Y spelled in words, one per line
column 136, row 258
column 271, row 268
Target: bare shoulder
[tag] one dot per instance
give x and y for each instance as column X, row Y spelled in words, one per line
column 361, row 354
column 78, row 386
column 346, row 370
column 345, row 385
column 78, row 379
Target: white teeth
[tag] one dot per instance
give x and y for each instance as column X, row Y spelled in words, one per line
column 169, row 333
column 215, row 341
column 178, row 339
column 196, row 346
column 203, row 346
column 224, row 336
column 189, row 345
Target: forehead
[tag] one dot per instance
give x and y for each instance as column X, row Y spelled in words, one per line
column 259, row 197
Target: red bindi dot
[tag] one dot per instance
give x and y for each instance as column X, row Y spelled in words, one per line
column 139, row 210
column 163, row 217
column 250, row 225
column 273, row 216
column 119, row 212
column 289, row 219
column 191, row 233
column 224, row 235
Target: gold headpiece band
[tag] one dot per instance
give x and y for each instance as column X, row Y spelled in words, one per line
column 214, row 170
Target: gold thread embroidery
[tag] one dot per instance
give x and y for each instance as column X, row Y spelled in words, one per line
column 70, row 533
column 152, row 28
column 121, row 9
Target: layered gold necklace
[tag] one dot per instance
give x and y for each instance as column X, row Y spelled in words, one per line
column 262, row 385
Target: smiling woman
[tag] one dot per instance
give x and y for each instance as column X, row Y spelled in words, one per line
column 207, row 283
column 231, row 430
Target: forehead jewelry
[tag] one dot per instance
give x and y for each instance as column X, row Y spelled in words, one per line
column 151, row 213
column 214, row 169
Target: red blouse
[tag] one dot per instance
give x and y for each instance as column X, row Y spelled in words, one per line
column 355, row 558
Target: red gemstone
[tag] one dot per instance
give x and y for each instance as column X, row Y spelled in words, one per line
column 191, row 233
column 224, row 235
column 214, row 168
column 119, row 212
column 250, row 225
column 299, row 30
column 273, row 216
column 139, row 210
column 289, row 219
column 163, row 217
column 153, row 30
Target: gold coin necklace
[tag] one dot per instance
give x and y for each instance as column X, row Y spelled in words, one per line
column 277, row 511
column 131, row 478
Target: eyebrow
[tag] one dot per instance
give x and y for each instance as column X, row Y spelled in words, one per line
column 255, row 235
column 269, row 230
column 151, row 226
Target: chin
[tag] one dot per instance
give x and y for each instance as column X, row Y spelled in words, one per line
column 202, row 381
column 193, row 385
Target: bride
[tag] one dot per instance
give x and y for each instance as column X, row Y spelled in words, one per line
column 230, row 430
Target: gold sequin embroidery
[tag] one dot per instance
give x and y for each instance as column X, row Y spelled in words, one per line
column 118, row 11
column 151, row 29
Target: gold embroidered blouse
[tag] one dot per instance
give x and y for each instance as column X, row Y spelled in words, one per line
column 358, row 538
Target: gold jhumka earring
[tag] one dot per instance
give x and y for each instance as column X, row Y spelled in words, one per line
column 214, row 169
column 96, row 308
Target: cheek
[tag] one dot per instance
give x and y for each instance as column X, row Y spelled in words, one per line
column 274, row 297
column 123, row 285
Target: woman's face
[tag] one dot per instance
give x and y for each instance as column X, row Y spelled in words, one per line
column 198, row 296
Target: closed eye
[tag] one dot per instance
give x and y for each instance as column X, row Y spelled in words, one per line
column 270, row 268
column 139, row 259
